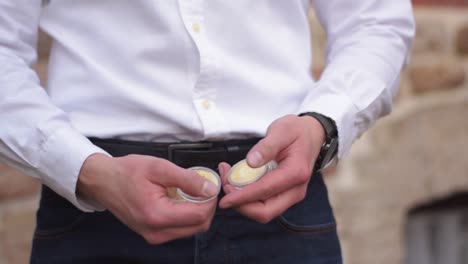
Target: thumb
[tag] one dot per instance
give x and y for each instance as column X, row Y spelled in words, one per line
column 277, row 138
column 168, row 174
column 194, row 184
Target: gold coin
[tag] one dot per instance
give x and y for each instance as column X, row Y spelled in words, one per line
column 242, row 173
column 209, row 175
column 172, row 193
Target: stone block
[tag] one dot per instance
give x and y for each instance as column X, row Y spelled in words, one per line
column 414, row 157
column 405, row 87
column 317, row 72
column 444, row 3
column 19, row 220
column 43, row 45
column 2, row 235
column 43, row 49
column 431, row 37
column 41, row 70
column 318, row 39
column 462, row 40
column 438, row 74
column 14, row 184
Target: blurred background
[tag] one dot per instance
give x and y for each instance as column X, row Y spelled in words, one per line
column 401, row 196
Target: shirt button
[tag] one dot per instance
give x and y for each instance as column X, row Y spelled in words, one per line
column 206, row 104
column 196, row 27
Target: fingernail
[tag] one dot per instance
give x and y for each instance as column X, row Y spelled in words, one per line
column 209, row 189
column 220, row 169
column 255, row 159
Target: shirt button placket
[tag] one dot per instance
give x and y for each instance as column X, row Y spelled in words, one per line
column 206, row 104
column 196, row 27
column 204, row 91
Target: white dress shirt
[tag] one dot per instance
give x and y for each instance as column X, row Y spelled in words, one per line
column 186, row 70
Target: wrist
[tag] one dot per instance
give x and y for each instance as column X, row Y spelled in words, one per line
column 92, row 174
column 315, row 128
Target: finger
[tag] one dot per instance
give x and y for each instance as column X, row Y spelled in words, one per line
column 170, row 175
column 158, row 235
column 228, row 188
column 289, row 174
column 170, row 213
column 223, row 169
column 277, row 138
column 265, row 211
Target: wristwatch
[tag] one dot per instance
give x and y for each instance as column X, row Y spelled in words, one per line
column 329, row 148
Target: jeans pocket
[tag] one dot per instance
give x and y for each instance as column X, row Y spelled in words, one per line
column 56, row 216
column 290, row 226
column 313, row 214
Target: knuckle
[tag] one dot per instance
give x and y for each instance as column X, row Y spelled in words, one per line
column 205, row 227
column 263, row 218
column 303, row 174
column 159, row 168
column 134, row 156
column 268, row 191
column 267, row 145
column 159, row 240
column 286, row 120
column 199, row 217
column 129, row 157
column 155, row 220
column 147, row 238
column 150, row 218
column 301, row 196
column 154, row 239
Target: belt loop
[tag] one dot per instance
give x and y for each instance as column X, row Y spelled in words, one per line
column 232, row 148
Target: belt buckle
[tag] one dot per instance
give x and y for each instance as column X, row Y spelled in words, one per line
column 186, row 146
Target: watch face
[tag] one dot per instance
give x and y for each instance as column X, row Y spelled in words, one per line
column 329, row 153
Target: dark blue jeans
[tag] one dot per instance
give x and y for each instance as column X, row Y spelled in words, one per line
column 305, row 233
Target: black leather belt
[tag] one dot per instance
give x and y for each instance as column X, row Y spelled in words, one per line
column 185, row 154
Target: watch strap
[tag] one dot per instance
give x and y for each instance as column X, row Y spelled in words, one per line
column 330, row 147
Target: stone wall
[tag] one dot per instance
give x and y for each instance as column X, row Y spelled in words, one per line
column 411, row 157
column 415, row 155
column 440, row 2
column 19, row 196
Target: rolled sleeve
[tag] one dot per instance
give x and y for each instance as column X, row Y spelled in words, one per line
column 36, row 137
column 62, row 157
column 328, row 98
column 368, row 44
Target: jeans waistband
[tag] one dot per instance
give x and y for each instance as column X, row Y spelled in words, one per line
column 184, row 154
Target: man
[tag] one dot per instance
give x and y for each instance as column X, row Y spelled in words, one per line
column 138, row 91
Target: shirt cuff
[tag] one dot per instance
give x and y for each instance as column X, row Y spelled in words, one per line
column 345, row 98
column 62, row 156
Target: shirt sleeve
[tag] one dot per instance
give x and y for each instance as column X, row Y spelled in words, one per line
column 36, row 137
column 368, row 43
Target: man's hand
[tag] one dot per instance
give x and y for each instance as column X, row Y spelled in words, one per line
column 294, row 142
column 134, row 189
